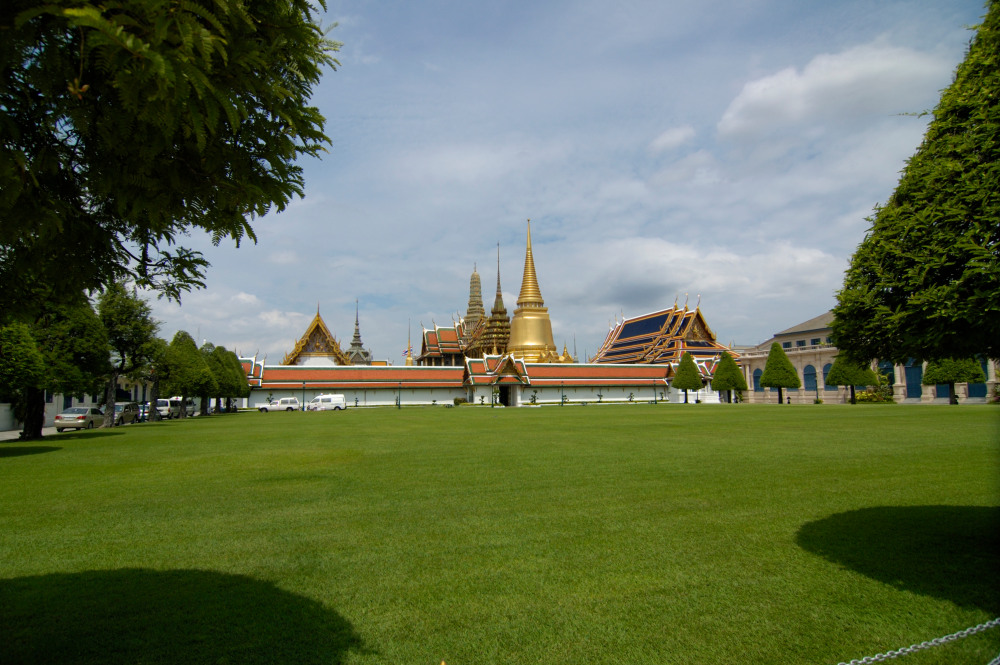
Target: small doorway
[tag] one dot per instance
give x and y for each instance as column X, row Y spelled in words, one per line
column 506, row 395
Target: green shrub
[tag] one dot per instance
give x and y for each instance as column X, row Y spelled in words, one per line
column 874, row 396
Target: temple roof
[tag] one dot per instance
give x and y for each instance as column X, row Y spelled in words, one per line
column 317, row 342
column 661, row 338
column 439, row 342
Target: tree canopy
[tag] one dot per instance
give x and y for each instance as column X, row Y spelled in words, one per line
column 846, row 372
column 925, row 282
column 952, row 371
column 125, row 125
column 687, row 377
column 71, row 343
column 779, row 372
column 727, row 375
column 21, row 363
column 189, row 374
column 131, row 329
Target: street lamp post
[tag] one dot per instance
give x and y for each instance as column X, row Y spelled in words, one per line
column 303, row 395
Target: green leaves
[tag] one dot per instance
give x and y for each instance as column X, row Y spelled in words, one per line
column 727, row 375
column 687, row 376
column 925, row 282
column 778, row 370
column 133, row 123
column 951, row 371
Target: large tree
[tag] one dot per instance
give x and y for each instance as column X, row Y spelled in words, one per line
column 728, row 377
column 73, row 347
column 925, row 282
column 131, row 329
column 188, row 374
column 21, row 363
column 952, row 371
column 846, row 372
column 125, row 124
column 687, row 377
column 779, row 372
column 229, row 375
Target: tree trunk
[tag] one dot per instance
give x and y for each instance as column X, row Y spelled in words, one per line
column 183, row 410
column 853, row 400
column 685, row 395
column 154, row 396
column 34, row 413
column 110, row 393
column 952, row 395
column 781, row 396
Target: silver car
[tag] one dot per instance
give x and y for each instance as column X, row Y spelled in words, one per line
column 79, row 417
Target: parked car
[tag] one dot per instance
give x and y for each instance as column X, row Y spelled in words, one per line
column 79, row 417
column 283, row 404
column 126, row 413
column 327, row 403
column 143, row 412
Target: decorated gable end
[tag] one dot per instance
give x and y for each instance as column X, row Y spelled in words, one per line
column 316, row 347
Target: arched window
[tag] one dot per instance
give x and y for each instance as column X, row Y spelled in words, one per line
column 809, row 378
column 756, row 380
column 826, row 372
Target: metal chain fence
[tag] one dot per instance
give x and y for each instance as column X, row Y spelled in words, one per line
column 938, row 641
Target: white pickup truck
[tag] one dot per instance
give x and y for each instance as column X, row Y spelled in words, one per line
column 283, row 404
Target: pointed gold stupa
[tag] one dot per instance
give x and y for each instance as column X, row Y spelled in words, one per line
column 530, row 327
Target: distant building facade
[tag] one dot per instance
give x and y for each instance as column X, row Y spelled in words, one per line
column 810, row 348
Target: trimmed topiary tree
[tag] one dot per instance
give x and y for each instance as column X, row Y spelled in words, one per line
column 687, row 377
column 952, row 371
column 846, row 373
column 728, row 376
column 779, row 372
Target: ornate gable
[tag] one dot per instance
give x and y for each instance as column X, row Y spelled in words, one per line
column 316, row 343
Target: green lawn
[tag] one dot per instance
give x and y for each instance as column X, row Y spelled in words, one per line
column 607, row 534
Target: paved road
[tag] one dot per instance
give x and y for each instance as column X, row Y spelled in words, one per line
column 14, row 434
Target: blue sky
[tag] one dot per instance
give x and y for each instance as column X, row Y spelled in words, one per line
column 727, row 149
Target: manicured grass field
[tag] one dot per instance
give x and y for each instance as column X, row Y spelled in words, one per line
column 607, row 534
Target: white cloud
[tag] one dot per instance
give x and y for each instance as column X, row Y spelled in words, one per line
column 672, row 138
column 866, row 80
column 247, row 299
column 284, row 258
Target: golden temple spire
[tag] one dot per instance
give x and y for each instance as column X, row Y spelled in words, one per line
column 531, row 295
column 498, row 301
column 530, row 327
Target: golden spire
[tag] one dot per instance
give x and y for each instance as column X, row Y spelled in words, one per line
column 530, row 327
column 498, row 301
column 531, row 295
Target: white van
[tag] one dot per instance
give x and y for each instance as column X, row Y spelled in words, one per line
column 171, row 408
column 327, row 403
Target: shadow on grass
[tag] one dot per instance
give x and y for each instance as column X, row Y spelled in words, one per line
column 18, row 451
column 86, row 433
column 948, row 552
column 173, row 616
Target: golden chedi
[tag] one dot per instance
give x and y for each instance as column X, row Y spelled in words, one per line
column 530, row 327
